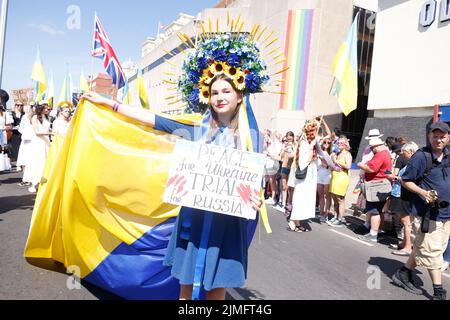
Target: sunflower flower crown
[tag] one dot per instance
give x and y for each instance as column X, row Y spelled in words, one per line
column 311, row 125
column 237, row 57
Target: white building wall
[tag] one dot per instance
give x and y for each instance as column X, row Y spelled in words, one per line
column 410, row 66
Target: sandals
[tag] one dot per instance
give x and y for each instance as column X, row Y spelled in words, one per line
column 297, row 229
column 303, row 229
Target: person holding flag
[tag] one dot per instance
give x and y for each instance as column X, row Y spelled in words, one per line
column 210, row 250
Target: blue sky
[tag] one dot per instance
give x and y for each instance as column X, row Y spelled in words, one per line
column 44, row 23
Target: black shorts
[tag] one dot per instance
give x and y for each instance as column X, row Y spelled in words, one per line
column 400, row 206
column 279, row 167
column 374, row 208
column 285, row 171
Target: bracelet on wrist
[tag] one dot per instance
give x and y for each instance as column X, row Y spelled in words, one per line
column 116, row 106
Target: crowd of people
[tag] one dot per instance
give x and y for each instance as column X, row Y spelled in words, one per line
column 325, row 160
column 34, row 127
column 307, row 176
column 396, row 177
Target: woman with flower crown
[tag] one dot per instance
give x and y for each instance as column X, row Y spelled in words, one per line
column 209, row 250
column 306, row 158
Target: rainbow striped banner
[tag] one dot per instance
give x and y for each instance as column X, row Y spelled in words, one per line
column 297, row 49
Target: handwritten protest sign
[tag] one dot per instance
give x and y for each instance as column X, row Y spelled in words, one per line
column 214, row 178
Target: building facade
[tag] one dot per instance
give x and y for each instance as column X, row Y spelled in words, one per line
column 410, row 67
column 402, row 59
column 308, row 34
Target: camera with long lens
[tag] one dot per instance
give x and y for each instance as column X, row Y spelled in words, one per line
column 433, row 204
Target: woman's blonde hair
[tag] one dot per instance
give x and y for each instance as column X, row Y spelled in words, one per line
column 214, row 122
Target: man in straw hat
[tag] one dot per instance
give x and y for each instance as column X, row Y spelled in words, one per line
column 375, row 170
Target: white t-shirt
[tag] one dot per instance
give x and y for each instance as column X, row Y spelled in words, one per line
column 60, row 127
column 5, row 119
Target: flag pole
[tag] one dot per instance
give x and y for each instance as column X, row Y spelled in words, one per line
column 92, row 58
column 4, row 15
column 332, row 84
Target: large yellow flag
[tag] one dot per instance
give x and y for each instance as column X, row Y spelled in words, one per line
column 100, row 204
column 345, row 70
column 100, row 201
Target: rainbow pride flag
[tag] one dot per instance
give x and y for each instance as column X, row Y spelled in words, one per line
column 297, row 50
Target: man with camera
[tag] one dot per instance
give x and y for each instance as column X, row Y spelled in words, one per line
column 428, row 179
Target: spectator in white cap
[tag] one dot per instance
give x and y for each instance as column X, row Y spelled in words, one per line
column 367, row 155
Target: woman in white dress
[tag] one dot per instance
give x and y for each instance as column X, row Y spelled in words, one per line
column 40, row 143
column 304, row 199
column 25, row 156
column 62, row 122
column 5, row 124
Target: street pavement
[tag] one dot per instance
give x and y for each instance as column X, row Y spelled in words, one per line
column 325, row 263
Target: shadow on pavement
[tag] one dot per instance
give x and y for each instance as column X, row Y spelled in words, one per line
column 99, row 293
column 390, row 266
column 52, row 265
column 11, row 180
column 250, row 294
column 17, row 202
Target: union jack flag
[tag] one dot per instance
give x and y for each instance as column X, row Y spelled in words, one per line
column 102, row 49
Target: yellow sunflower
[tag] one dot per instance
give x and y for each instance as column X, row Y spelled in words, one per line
column 239, row 79
column 205, row 80
column 204, row 95
column 218, row 67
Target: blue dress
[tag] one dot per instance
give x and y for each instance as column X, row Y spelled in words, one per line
column 227, row 248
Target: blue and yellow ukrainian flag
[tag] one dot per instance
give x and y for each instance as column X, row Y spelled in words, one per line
column 126, row 94
column 345, row 71
column 38, row 75
column 142, row 92
column 65, row 97
column 100, row 208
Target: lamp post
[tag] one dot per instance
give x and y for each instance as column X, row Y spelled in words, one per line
column 2, row 36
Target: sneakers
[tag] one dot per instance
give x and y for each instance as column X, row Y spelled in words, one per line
column 440, row 295
column 336, row 223
column 332, row 220
column 279, row 207
column 32, row 189
column 323, row 219
column 24, row 184
column 404, row 280
column 270, row 201
column 368, row 237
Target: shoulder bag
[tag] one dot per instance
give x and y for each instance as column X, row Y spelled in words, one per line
column 377, row 190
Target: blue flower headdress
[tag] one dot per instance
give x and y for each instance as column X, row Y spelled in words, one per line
column 236, row 57
column 233, row 53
